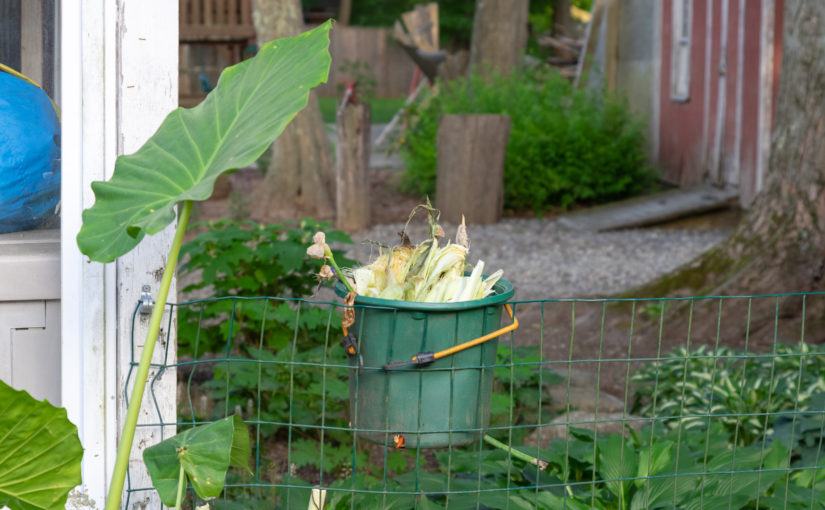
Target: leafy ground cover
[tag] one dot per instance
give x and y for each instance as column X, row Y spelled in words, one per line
column 566, row 146
column 726, row 428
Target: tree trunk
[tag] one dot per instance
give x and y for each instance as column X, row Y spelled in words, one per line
column 351, row 167
column 471, row 150
column 562, row 21
column 779, row 247
column 300, row 177
column 499, row 35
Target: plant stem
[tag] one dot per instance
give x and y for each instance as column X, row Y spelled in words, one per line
column 181, row 488
column 125, row 447
column 515, row 453
column 328, row 254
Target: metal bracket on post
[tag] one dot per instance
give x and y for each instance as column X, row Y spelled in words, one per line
column 146, row 301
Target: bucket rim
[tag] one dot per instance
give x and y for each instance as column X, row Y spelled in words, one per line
column 502, row 291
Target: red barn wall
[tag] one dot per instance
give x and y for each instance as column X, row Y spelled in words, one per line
column 717, row 134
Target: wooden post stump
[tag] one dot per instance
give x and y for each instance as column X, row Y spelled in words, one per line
column 471, row 150
column 351, row 167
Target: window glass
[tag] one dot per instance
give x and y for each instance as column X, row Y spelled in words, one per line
column 29, row 116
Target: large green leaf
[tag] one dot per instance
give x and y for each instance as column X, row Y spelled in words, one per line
column 206, row 453
column 618, row 464
column 40, row 452
column 251, row 105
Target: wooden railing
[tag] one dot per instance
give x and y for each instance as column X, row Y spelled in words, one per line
column 216, row 20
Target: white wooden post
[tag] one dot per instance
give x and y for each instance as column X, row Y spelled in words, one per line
column 148, row 70
column 118, row 81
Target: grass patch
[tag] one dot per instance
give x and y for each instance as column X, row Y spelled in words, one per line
column 382, row 108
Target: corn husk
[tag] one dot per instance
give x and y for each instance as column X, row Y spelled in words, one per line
column 427, row 272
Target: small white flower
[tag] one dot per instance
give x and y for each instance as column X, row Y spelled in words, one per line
column 319, row 246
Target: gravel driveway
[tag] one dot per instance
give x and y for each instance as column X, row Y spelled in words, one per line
column 544, row 260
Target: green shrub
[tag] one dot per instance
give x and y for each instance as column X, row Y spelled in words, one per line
column 565, row 146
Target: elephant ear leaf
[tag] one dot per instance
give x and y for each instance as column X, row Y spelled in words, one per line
column 250, row 106
column 40, row 452
column 205, row 452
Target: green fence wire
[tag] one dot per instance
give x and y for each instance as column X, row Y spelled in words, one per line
column 601, row 403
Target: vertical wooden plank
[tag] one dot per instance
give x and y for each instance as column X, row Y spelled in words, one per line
column 208, row 12
column 50, row 63
column 184, row 79
column 196, row 12
column 344, row 12
column 89, row 343
column 766, row 88
column 382, row 66
column 656, row 96
column 31, row 40
column 611, row 51
column 351, row 167
column 223, row 12
column 734, row 170
column 246, row 12
column 148, row 92
column 471, row 151
column 233, row 12
column 706, row 115
column 716, row 174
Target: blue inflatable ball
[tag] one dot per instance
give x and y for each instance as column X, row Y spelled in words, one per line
column 29, row 156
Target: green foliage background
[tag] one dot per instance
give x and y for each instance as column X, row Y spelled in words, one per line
column 455, row 16
column 566, row 146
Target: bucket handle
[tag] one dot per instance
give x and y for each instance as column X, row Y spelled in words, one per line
column 423, row 358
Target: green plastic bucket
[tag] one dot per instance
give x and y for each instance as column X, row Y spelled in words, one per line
column 446, row 402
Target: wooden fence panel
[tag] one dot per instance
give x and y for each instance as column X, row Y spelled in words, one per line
column 390, row 66
column 214, row 34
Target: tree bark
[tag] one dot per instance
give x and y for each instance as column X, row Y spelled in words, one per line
column 779, row 247
column 300, row 177
column 499, row 35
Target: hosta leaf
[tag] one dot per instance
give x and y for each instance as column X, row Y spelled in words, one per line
column 237, row 121
column 40, row 452
column 618, row 464
column 206, row 453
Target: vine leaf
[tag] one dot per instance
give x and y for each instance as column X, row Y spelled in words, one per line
column 206, row 453
column 250, row 106
column 40, row 452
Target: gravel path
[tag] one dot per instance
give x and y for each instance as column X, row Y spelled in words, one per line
column 544, row 260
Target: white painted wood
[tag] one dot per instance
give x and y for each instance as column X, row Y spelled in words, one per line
column 118, row 80
column 16, row 315
column 30, row 265
column 89, row 135
column 35, row 354
column 148, row 72
column 766, row 63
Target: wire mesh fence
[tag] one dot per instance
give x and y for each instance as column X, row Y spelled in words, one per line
column 712, row 402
